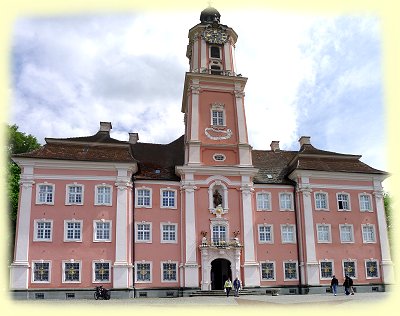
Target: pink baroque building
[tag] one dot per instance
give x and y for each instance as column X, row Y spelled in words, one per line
column 175, row 219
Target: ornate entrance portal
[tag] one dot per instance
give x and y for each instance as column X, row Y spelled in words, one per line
column 218, row 263
column 220, row 272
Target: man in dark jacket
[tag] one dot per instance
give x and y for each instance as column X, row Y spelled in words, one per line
column 348, row 285
column 236, row 286
column 334, row 285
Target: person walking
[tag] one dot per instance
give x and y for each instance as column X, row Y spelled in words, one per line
column 334, row 285
column 236, row 286
column 348, row 285
column 228, row 286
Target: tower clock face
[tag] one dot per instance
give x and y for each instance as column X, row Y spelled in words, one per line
column 215, row 36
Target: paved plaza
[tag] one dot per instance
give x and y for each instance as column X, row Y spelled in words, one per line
column 245, row 300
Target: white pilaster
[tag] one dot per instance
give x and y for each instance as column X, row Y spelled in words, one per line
column 195, row 54
column 251, row 267
column 194, row 115
column 203, row 60
column 121, row 265
column 311, row 263
column 227, row 53
column 191, row 266
column 19, row 270
column 387, row 264
column 239, row 95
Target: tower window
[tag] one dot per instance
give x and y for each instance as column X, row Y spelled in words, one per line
column 215, row 52
column 216, row 70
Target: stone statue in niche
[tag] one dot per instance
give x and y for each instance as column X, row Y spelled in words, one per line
column 217, row 198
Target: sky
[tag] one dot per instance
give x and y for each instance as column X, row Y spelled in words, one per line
column 308, row 74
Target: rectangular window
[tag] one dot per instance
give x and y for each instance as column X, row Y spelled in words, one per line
column 168, row 233
column 321, row 201
column 346, row 233
column 45, row 194
column 288, row 233
column 263, row 201
column 218, row 234
column 168, row 198
column 75, row 194
column 72, row 272
column 215, row 52
column 169, row 272
column 343, row 201
column 143, row 232
column 268, row 271
column 285, row 201
column 101, row 272
column 41, row 272
column 143, row 272
column 265, row 233
column 103, row 195
column 349, row 268
column 102, row 231
column 73, row 230
column 372, row 269
column 323, row 233
column 368, row 233
column 217, row 117
column 43, row 230
column 365, row 203
column 290, row 270
column 143, row 198
column 326, row 269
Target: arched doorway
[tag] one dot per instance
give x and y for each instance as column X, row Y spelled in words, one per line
column 220, row 271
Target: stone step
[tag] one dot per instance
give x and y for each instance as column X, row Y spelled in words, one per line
column 221, row 293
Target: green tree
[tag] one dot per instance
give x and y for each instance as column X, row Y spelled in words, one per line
column 18, row 142
column 387, row 200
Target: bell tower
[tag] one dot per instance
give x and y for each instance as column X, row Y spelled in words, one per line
column 213, row 98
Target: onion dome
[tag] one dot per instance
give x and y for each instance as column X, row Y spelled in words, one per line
column 210, row 15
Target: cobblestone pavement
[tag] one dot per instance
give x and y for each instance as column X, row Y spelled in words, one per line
column 248, row 300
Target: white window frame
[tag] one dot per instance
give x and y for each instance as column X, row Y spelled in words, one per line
column 223, row 157
column 269, row 201
column 274, row 270
column 35, row 231
column 318, row 208
column 175, row 206
column 348, row 202
column 282, row 234
column 67, row 193
column 365, row 240
column 220, row 52
column 150, row 270
column 162, row 240
column 38, row 186
column 94, row 271
column 290, row 194
column 137, row 205
column 97, row 194
column 220, row 108
column 323, row 241
column 366, row 269
column 150, row 232
column 66, row 239
column 361, row 203
column 219, row 224
column 63, row 271
column 33, row 271
column 341, row 226
column 284, row 270
column 355, row 268
column 320, row 269
column 95, row 229
column 162, row 271
column 271, row 241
